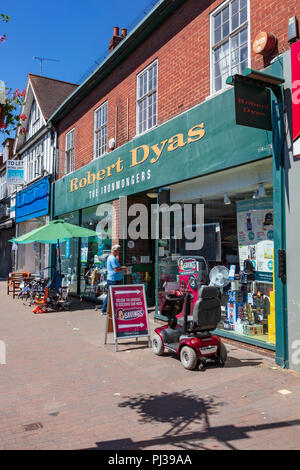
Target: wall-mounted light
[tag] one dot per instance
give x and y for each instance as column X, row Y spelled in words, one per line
column 152, row 195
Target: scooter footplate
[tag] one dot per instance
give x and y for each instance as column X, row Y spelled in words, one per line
column 172, row 346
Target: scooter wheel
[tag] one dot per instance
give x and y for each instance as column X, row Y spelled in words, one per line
column 222, row 355
column 157, row 345
column 188, row 358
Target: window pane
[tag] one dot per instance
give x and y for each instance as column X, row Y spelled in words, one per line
column 218, row 35
column 225, row 29
column 217, row 69
column 244, row 36
column 224, row 64
column 150, row 87
column 218, row 20
column 235, row 70
column 235, row 21
column 218, row 84
column 155, row 76
column 243, row 15
column 235, row 6
column 244, row 53
column 235, row 57
column 234, row 42
column 218, row 53
column 244, row 65
column 225, row 14
column 243, row 3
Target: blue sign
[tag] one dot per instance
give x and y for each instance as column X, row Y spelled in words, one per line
column 67, row 249
column 33, row 201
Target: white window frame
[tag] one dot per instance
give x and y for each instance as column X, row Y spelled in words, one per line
column 6, row 152
column 34, row 124
column 34, row 160
column 69, row 151
column 146, row 96
column 3, row 186
column 100, row 150
column 214, row 46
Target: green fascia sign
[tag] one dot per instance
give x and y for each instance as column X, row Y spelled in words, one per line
column 203, row 140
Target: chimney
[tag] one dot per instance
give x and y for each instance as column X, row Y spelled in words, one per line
column 116, row 39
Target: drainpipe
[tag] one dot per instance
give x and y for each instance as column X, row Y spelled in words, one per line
column 52, row 251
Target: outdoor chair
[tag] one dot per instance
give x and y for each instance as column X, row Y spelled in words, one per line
column 14, row 281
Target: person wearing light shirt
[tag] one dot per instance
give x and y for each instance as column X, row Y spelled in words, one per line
column 114, row 273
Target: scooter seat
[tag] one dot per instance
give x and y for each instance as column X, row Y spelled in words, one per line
column 207, row 310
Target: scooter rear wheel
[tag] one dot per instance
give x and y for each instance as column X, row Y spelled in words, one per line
column 188, row 358
column 222, row 356
column 157, row 345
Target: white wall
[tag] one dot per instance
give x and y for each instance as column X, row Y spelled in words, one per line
column 292, row 237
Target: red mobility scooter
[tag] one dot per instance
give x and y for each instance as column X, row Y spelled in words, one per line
column 190, row 337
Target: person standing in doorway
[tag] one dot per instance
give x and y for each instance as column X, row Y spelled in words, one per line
column 114, row 273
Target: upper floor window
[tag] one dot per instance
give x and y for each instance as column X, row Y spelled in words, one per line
column 100, row 129
column 34, row 122
column 147, row 99
column 34, row 161
column 70, row 144
column 5, row 152
column 230, row 42
column 3, row 187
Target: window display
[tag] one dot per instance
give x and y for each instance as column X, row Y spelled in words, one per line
column 69, row 256
column 94, row 253
column 238, row 252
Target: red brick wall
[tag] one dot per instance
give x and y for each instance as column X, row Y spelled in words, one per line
column 182, row 46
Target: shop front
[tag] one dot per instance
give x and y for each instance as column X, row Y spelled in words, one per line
column 237, row 253
column 32, row 212
column 200, row 158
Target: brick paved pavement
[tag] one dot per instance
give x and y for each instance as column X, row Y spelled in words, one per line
column 80, row 394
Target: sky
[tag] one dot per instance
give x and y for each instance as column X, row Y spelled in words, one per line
column 75, row 32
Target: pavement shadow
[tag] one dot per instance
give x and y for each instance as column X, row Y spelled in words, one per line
column 248, row 362
column 180, row 411
column 232, row 362
column 224, row 435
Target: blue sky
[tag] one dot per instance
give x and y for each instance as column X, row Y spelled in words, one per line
column 76, row 32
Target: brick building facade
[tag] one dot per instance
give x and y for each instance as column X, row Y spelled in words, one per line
column 167, row 78
column 181, row 45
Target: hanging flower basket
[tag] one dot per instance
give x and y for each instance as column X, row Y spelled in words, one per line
column 10, row 102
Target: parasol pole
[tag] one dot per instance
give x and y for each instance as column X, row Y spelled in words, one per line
column 59, row 259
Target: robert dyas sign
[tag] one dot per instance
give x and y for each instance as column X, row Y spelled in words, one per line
column 139, row 155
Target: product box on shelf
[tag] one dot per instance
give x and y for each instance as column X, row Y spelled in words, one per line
column 228, row 326
column 235, row 296
column 234, row 311
column 253, row 330
column 239, row 328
